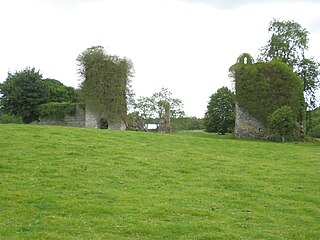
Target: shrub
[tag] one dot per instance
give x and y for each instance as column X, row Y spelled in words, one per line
column 220, row 115
column 282, row 122
column 57, row 110
column 7, row 118
column 313, row 123
column 187, row 123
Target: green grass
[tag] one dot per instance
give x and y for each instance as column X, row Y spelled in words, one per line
column 70, row 183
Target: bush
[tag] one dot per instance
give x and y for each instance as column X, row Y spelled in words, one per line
column 282, row 122
column 220, row 115
column 7, row 118
column 313, row 123
column 57, row 110
column 189, row 123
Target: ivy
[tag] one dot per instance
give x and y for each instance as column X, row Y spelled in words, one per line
column 263, row 87
column 57, row 110
column 105, row 80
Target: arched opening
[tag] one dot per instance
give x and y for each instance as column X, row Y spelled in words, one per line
column 103, row 124
column 245, row 58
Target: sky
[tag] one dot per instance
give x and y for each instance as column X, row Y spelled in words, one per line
column 186, row 46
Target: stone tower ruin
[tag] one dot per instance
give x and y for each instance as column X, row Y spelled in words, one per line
column 262, row 88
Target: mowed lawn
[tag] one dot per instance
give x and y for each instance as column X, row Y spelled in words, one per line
column 71, row 183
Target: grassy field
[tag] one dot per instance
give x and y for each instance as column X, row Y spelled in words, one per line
column 69, row 183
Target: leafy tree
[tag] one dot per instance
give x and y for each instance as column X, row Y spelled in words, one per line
column 289, row 43
column 144, row 107
column 25, row 90
column 313, row 123
column 282, row 122
column 154, row 107
column 220, row 115
column 57, row 92
column 22, row 92
column 161, row 99
column 7, row 118
column 308, row 71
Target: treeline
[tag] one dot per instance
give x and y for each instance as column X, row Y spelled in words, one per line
column 24, row 91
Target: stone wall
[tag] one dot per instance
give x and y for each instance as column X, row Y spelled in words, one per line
column 117, row 125
column 88, row 118
column 78, row 120
column 91, row 118
column 247, row 126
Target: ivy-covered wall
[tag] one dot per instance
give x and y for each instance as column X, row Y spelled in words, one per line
column 62, row 114
column 263, row 87
column 105, row 81
column 76, row 115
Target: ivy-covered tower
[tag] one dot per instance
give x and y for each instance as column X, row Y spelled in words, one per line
column 105, row 78
column 261, row 88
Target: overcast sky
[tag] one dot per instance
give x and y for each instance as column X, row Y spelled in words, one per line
column 184, row 45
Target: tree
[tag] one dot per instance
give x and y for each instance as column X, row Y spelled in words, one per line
column 308, row 70
column 22, row 93
column 289, row 43
column 144, row 107
column 154, row 107
column 313, row 123
column 57, row 92
column 282, row 122
column 220, row 115
column 162, row 99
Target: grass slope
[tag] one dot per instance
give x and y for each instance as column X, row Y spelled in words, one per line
column 69, row 183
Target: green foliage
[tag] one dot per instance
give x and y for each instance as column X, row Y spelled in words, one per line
column 313, row 123
column 153, row 107
column 7, row 118
column 57, row 92
column 289, row 43
column 135, row 122
column 186, row 123
column 75, row 183
column 245, row 58
column 308, row 70
column 282, row 122
column 56, row 110
column 262, row 88
column 22, row 92
column 105, row 81
column 220, row 114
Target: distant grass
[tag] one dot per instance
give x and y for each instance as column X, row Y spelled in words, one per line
column 203, row 134
column 71, row 183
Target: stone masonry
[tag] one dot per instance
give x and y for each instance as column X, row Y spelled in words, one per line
column 78, row 120
column 85, row 118
column 247, row 126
